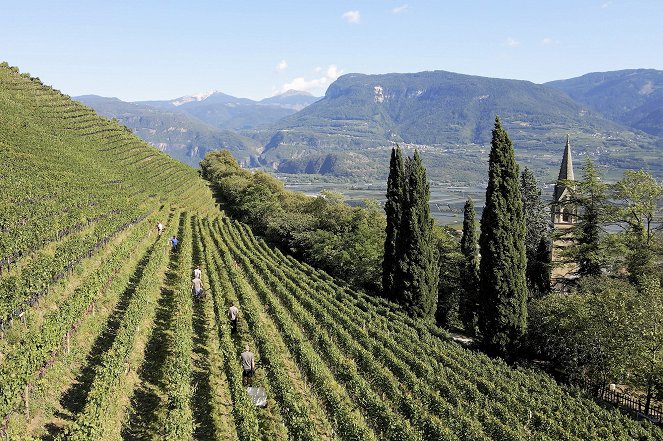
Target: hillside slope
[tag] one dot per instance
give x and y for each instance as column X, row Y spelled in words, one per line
column 101, row 338
column 633, row 97
column 179, row 134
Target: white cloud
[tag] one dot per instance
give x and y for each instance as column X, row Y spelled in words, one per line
column 352, row 17
column 399, row 9
column 511, row 42
column 606, row 4
column 314, row 85
column 283, row 65
column 547, row 40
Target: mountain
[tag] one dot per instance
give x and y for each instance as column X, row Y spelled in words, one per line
column 177, row 133
column 633, row 97
column 292, row 99
column 451, row 116
column 228, row 112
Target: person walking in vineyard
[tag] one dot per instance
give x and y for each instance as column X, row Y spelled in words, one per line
column 197, row 273
column 233, row 312
column 248, row 366
column 159, row 228
column 197, row 288
column 173, row 243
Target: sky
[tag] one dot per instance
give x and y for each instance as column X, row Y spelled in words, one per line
column 147, row 50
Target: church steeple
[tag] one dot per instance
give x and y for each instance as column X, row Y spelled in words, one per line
column 564, row 217
column 562, row 213
column 565, row 171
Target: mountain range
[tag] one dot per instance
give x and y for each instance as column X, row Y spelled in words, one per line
column 190, row 126
column 631, row 97
column 615, row 117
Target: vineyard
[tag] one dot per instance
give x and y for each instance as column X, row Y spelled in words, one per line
column 101, row 338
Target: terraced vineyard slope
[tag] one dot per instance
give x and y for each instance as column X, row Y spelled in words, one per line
column 102, row 340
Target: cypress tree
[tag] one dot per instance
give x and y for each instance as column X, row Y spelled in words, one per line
column 393, row 208
column 469, row 270
column 537, row 235
column 589, row 197
column 416, row 278
column 503, row 291
column 538, row 273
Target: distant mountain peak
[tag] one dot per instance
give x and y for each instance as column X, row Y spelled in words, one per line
column 196, row 97
column 293, row 92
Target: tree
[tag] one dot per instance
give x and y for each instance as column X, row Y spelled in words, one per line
column 636, row 198
column 537, row 235
column 647, row 339
column 416, row 277
column 589, row 195
column 469, row 270
column 450, row 285
column 393, row 208
column 588, row 332
column 503, row 290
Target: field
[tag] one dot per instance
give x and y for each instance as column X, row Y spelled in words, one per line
column 446, row 201
column 102, row 340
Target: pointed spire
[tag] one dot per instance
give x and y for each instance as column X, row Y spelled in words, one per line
column 565, row 170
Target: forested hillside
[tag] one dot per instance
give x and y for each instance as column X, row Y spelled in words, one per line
column 101, row 338
column 633, row 97
column 361, row 116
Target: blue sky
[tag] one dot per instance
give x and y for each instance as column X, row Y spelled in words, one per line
column 144, row 49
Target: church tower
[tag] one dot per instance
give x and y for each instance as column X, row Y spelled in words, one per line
column 564, row 217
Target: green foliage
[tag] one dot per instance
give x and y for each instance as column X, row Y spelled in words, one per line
column 452, row 281
column 92, row 423
column 393, row 208
column 19, row 366
column 379, row 371
column 537, row 235
column 358, row 356
column 177, row 133
column 416, row 276
column 503, row 290
column 70, row 182
column 604, row 332
column 590, row 196
column 469, row 270
column 646, row 337
column 346, row 241
column 636, row 206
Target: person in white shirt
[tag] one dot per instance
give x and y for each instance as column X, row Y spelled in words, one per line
column 197, row 273
column 233, row 312
column 197, row 287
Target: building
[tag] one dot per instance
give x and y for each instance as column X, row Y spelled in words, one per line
column 564, row 216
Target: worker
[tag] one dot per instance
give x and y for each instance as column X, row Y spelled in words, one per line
column 197, row 287
column 233, row 312
column 197, row 273
column 248, row 366
column 173, row 243
column 159, row 228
